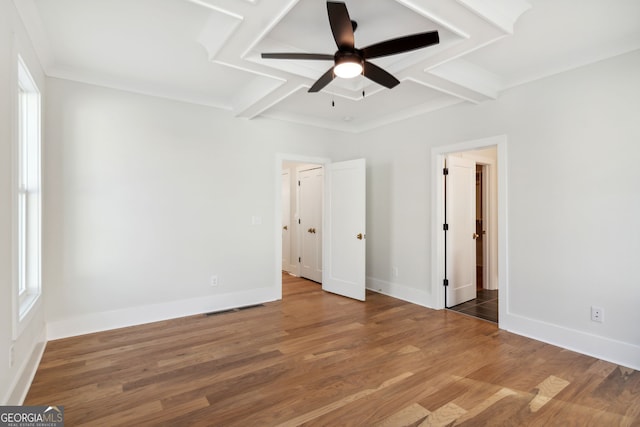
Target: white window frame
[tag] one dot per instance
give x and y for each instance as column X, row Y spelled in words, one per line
column 27, row 259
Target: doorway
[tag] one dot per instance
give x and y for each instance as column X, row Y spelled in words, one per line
column 302, row 219
column 487, row 176
column 482, row 301
column 343, row 224
column 480, row 225
column 469, row 210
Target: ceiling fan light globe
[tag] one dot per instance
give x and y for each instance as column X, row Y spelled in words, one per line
column 348, row 69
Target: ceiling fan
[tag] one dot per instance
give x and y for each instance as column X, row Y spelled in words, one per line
column 350, row 61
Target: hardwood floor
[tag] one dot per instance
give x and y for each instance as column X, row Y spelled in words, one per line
column 319, row 359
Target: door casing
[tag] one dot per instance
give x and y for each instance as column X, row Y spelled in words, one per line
column 286, row 221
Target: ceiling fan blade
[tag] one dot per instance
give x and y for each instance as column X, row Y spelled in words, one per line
column 401, row 44
column 340, row 25
column 323, row 81
column 310, row 56
column 378, row 75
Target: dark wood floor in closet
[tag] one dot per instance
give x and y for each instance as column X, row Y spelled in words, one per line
column 484, row 306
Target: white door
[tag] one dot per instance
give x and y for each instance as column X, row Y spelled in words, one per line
column 344, row 242
column 310, row 215
column 460, row 215
column 286, row 221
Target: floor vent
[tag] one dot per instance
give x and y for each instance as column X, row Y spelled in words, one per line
column 250, row 306
column 215, row 313
column 233, row 310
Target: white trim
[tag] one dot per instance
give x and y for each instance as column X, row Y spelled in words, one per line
column 618, row 352
column 14, row 84
column 131, row 316
column 503, row 235
column 399, row 291
column 24, row 304
column 287, row 172
column 437, row 216
column 26, row 372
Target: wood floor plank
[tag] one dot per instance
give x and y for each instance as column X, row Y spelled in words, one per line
column 316, row 358
column 317, row 412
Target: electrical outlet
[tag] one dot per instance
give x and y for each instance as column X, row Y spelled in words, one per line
column 597, row 314
column 214, row 281
column 394, row 271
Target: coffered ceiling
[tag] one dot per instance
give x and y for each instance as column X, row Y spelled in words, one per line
column 208, row 51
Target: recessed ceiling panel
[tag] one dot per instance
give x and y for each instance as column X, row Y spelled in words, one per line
column 307, row 107
column 306, row 29
column 154, row 47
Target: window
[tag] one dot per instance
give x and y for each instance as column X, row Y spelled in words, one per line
column 28, row 203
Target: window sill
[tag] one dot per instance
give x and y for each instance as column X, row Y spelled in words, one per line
column 26, row 311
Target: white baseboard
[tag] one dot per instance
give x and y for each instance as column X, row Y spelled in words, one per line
column 27, row 372
column 399, row 291
column 293, row 269
column 96, row 322
column 618, row 352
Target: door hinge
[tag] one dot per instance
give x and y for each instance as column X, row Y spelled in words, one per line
column 445, row 227
column 445, row 171
column 445, row 282
column 298, row 183
column 299, row 259
column 299, row 221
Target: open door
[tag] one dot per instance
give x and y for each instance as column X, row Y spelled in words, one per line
column 286, row 221
column 344, row 245
column 460, row 196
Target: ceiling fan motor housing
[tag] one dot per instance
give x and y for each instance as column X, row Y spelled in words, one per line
column 348, row 63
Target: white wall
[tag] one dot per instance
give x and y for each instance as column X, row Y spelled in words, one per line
column 573, row 203
column 14, row 378
column 147, row 198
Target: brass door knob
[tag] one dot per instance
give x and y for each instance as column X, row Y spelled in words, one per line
column 285, row 228
column 360, row 236
column 310, row 230
column 475, row 236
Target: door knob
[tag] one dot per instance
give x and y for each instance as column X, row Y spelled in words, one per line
column 360, row 236
column 313, row 230
column 285, row 228
column 310, row 230
column 475, row 236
